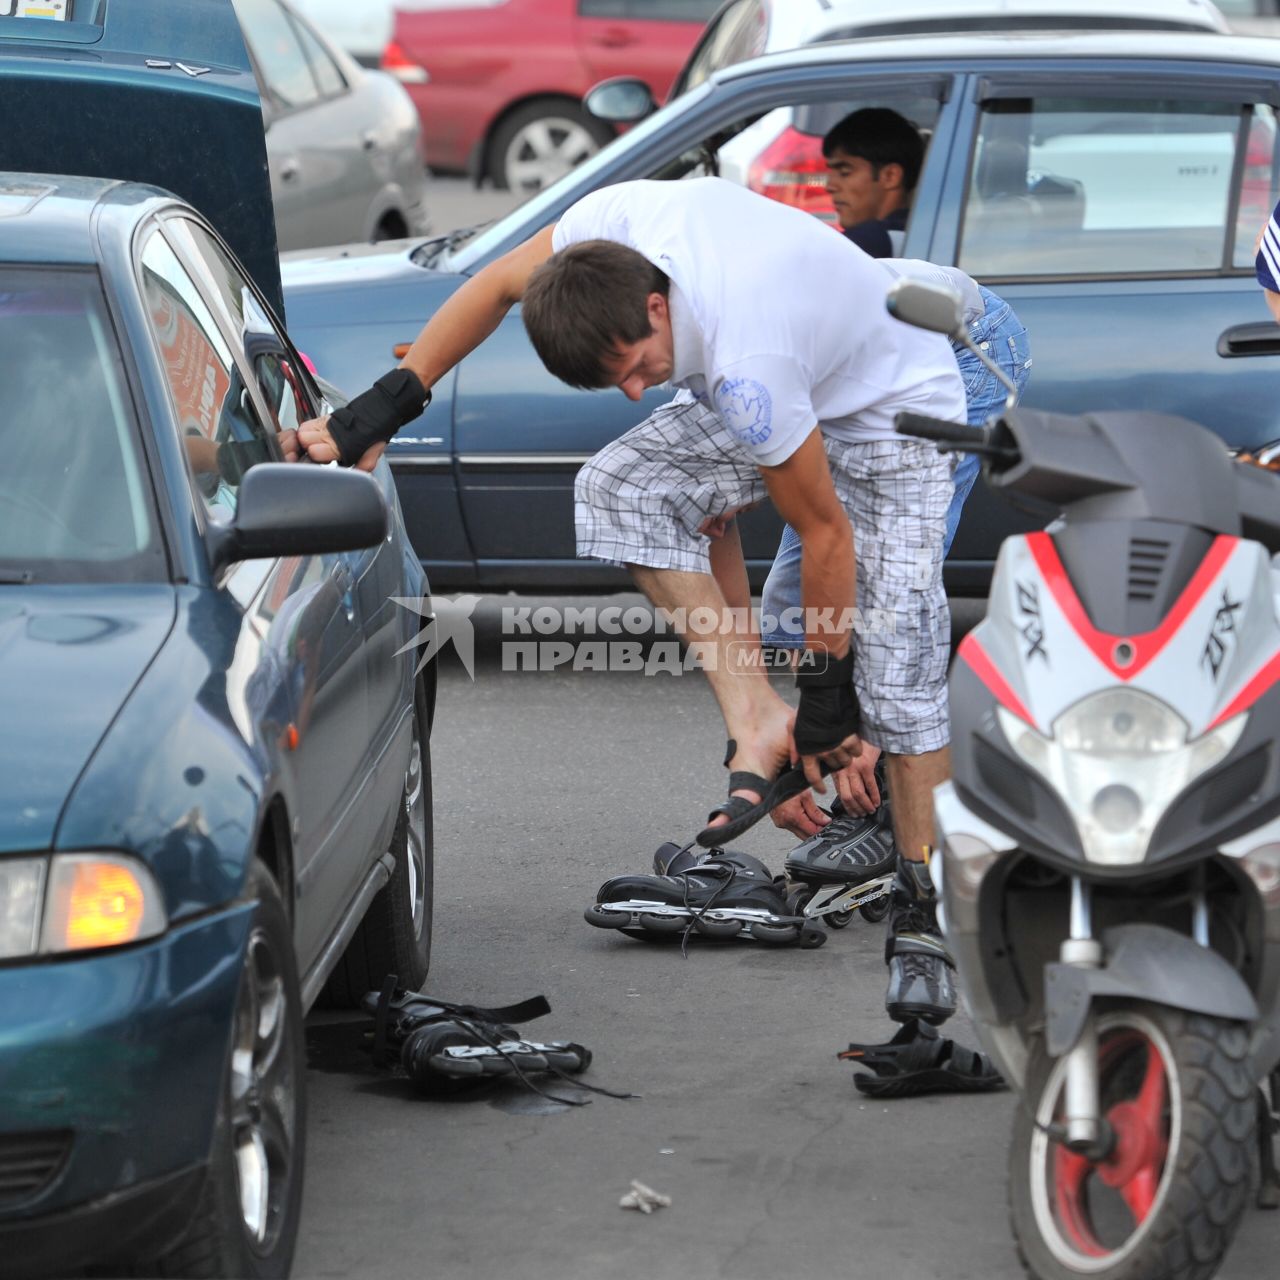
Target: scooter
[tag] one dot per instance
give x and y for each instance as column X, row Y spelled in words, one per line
column 1108, row 858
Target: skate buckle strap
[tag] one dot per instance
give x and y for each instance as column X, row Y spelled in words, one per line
column 919, row 944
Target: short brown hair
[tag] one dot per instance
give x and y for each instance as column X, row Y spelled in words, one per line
column 586, row 301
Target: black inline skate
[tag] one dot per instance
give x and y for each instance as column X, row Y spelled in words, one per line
column 712, row 892
column 847, row 867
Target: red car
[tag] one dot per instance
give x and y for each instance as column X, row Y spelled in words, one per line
column 499, row 83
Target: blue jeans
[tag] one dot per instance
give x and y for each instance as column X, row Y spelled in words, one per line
column 1003, row 339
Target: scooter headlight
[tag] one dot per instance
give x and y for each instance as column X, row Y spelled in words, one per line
column 1119, row 759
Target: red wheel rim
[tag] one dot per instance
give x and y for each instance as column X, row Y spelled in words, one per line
column 1100, row 1205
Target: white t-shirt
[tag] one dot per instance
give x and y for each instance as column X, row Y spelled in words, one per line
column 778, row 321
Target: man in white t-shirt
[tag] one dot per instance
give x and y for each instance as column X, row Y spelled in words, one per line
column 790, row 374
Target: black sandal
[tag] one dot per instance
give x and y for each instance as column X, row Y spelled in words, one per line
column 919, row 1060
column 743, row 814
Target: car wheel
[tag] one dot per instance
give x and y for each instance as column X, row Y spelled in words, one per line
column 395, row 934
column 246, row 1223
column 541, row 142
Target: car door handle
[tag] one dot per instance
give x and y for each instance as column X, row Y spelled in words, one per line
column 615, row 38
column 290, row 169
column 1260, row 339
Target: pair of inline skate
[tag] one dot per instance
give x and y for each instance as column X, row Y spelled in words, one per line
column 723, row 893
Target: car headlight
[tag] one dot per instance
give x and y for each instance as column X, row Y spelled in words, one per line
column 76, row 902
column 1118, row 759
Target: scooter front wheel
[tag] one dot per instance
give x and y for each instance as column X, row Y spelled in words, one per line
column 1165, row 1202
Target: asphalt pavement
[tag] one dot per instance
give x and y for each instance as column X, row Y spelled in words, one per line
column 546, row 784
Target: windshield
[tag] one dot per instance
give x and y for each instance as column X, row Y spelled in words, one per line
column 552, row 201
column 75, row 501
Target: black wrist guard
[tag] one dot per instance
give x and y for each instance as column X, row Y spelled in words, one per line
column 829, row 710
column 376, row 415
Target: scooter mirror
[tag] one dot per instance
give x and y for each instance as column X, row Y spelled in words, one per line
column 926, row 307
column 621, row 100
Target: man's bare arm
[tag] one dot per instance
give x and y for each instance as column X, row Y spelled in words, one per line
column 474, row 311
column 803, row 492
column 465, row 320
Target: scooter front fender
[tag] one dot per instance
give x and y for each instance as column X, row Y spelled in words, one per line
column 1143, row 962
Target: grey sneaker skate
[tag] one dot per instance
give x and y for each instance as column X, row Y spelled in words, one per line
column 921, row 983
column 848, row 850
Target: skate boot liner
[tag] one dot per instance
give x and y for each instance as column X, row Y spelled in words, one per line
column 717, row 894
column 447, row 1048
column 918, row 1060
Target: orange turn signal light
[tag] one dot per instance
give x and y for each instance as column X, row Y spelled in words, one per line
column 99, row 901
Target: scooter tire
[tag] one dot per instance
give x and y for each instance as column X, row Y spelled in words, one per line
column 1202, row 1115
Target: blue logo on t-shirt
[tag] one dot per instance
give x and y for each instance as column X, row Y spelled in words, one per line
column 747, row 409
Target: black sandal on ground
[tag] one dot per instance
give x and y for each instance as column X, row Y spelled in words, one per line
column 743, row 814
column 918, row 1060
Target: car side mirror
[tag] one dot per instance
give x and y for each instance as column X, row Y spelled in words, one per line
column 621, row 100
column 300, row 509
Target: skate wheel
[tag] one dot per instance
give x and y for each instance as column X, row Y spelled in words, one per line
column 838, row 919
column 604, row 919
column 662, row 924
column 874, row 912
column 718, row 928
column 777, row 935
column 811, row 938
column 797, row 900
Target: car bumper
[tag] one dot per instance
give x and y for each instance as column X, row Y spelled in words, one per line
column 110, row 1067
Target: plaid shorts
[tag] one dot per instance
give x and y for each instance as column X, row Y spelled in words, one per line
column 641, row 499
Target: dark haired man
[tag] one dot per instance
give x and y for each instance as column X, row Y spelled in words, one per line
column 790, row 374
column 873, row 164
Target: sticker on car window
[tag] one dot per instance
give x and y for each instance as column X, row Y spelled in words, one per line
column 56, row 9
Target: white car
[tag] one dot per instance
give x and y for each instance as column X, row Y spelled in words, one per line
column 1252, row 17
column 344, row 145
column 781, row 155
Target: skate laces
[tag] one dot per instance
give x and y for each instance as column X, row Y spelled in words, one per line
column 722, row 869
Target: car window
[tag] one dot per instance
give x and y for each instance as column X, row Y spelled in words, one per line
column 283, row 387
column 216, row 417
column 328, row 76
column 279, row 56
column 75, row 497
column 1068, row 186
column 738, row 33
column 652, row 10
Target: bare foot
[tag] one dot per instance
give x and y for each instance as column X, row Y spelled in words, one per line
column 764, row 749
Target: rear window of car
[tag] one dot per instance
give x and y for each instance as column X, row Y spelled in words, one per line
column 75, row 495
column 1123, row 186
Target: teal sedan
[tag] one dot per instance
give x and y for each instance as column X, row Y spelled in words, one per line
column 214, row 766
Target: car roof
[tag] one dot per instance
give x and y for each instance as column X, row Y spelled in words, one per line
column 48, row 218
column 792, row 23
column 148, row 91
column 1140, row 46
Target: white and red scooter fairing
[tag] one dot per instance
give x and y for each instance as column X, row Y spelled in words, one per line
column 1213, row 655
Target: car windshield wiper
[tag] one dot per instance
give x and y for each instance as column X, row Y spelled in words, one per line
column 425, row 254
column 16, row 577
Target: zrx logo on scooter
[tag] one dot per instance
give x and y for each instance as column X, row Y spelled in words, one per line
column 1220, row 642
column 1032, row 629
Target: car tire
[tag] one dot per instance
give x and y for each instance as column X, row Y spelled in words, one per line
column 246, row 1222
column 542, row 141
column 395, row 934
